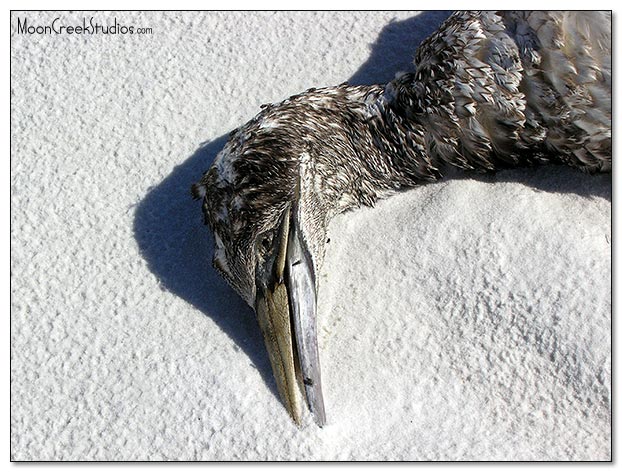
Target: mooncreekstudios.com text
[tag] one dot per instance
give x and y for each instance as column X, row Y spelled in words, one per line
column 90, row 26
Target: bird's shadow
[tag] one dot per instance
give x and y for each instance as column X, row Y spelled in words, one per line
column 178, row 248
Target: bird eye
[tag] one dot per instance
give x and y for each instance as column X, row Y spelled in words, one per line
column 265, row 242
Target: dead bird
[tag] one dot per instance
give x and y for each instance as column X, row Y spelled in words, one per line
column 490, row 90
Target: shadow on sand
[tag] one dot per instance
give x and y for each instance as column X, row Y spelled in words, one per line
column 178, row 248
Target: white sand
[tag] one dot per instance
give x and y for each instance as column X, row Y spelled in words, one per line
column 468, row 319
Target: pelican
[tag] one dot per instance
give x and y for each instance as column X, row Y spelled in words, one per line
column 488, row 91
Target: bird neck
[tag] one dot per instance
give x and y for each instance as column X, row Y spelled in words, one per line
column 389, row 149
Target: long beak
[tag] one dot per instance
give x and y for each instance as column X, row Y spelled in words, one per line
column 286, row 310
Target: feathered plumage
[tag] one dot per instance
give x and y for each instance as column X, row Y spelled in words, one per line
column 489, row 91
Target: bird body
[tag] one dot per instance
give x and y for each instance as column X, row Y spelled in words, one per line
column 489, row 91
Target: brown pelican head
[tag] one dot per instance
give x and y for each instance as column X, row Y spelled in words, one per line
column 268, row 198
column 267, row 206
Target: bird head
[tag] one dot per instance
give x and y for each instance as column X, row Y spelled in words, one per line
column 244, row 199
column 268, row 234
column 268, row 197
